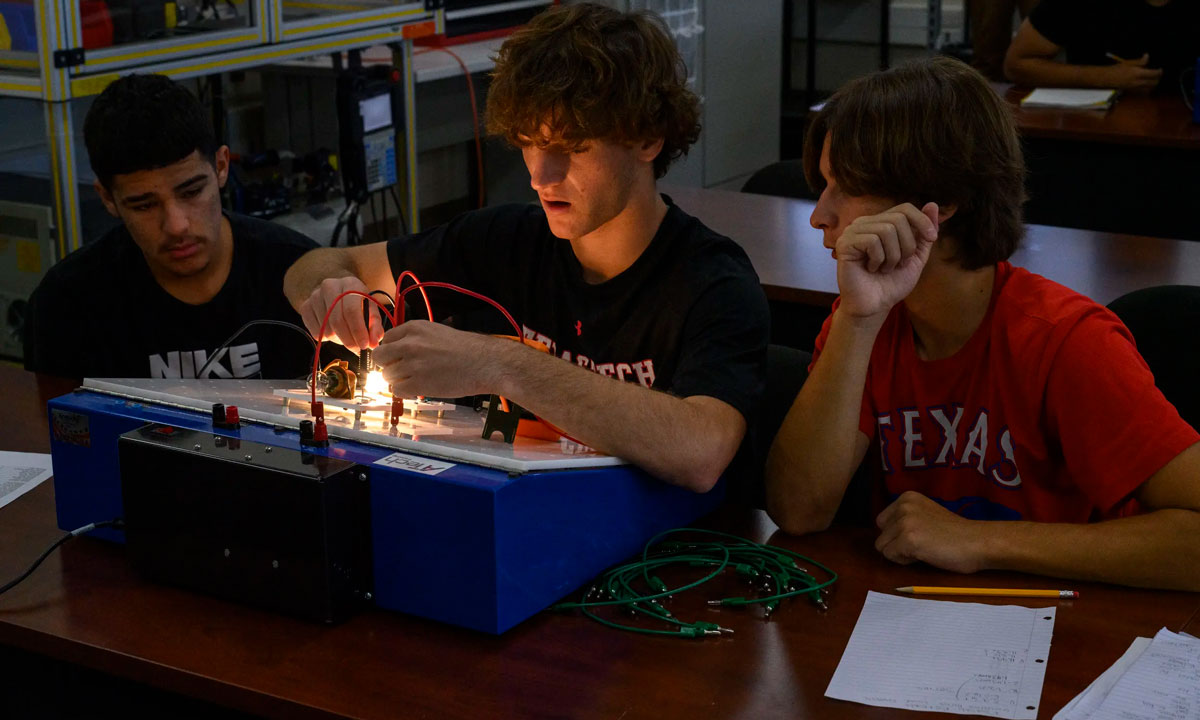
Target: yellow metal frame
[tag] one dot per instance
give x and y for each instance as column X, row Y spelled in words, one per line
column 20, row 63
column 262, row 58
column 289, row 33
column 116, row 58
column 247, row 38
column 325, row 5
column 410, row 136
column 16, row 85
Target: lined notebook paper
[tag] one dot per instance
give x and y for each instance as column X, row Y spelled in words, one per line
column 951, row 657
column 1088, row 701
column 1070, row 98
column 1163, row 683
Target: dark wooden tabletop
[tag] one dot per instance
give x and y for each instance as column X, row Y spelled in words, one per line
column 86, row 606
column 1134, row 119
column 794, row 266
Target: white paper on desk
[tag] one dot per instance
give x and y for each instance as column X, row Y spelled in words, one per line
column 940, row 656
column 20, row 473
column 1162, row 684
column 1070, row 98
column 1088, row 701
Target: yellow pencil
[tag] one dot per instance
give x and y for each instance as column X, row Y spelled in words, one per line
column 1009, row 592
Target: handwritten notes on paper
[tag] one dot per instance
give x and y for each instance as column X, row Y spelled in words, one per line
column 1153, row 680
column 951, row 657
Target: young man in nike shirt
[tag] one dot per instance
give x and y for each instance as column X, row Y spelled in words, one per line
column 156, row 296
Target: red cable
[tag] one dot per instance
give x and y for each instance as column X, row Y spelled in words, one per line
column 398, row 319
column 474, row 114
column 400, row 280
column 520, row 336
column 470, row 293
column 325, row 321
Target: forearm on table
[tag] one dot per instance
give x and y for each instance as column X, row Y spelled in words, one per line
column 684, row 441
column 1159, row 549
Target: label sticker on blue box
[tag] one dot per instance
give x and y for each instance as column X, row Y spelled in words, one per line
column 415, row 463
column 70, row 428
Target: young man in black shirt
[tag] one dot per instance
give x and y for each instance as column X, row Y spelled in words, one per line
column 1122, row 44
column 158, row 295
column 636, row 296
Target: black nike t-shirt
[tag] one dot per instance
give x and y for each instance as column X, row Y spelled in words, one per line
column 1090, row 29
column 688, row 317
column 100, row 313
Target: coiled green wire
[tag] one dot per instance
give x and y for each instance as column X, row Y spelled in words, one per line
column 778, row 566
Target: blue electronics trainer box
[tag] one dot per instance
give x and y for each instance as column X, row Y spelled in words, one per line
column 474, row 546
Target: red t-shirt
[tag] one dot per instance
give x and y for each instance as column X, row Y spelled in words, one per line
column 1048, row 413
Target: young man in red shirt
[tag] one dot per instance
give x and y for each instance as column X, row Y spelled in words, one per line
column 990, row 393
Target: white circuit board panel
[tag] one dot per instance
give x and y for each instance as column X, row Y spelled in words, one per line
column 432, row 429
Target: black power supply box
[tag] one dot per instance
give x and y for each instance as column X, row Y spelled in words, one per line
column 263, row 525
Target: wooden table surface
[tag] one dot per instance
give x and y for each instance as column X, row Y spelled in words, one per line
column 1134, row 119
column 86, row 606
column 794, row 266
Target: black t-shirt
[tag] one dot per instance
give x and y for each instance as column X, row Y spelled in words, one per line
column 100, row 313
column 688, row 317
column 1088, row 29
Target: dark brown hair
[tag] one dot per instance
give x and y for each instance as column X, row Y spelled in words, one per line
column 929, row 130
column 590, row 72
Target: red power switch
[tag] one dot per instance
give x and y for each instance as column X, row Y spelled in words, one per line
column 231, row 416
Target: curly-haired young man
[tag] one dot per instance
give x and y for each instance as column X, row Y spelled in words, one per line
column 989, row 392
column 662, row 323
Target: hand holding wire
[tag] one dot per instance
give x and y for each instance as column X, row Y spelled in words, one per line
column 345, row 324
column 428, row 359
column 478, row 351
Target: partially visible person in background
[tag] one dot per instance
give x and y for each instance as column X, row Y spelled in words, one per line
column 1122, row 44
column 992, row 32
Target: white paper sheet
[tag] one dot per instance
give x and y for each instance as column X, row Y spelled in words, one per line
column 1088, row 701
column 20, row 473
column 952, row 657
column 1162, row 684
column 1070, row 98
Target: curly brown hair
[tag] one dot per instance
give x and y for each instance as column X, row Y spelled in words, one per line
column 932, row 129
column 589, row 72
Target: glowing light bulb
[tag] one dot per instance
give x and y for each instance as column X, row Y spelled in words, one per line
column 375, row 383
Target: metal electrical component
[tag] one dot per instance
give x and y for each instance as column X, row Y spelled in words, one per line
column 340, row 380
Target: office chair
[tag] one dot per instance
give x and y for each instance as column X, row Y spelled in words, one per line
column 1165, row 322
column 784, row 179
column 786, row 370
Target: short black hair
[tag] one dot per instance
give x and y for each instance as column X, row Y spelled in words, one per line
column 142, row 122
